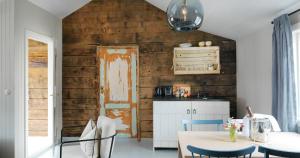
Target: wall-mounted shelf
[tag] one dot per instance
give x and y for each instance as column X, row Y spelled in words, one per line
column 196, row 60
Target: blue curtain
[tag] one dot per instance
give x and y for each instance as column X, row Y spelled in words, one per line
column 283, row 77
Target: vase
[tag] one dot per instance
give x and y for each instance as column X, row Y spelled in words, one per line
column 232, row 134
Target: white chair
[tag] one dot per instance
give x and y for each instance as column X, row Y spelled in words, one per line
column 108, row 132
column 108, row 128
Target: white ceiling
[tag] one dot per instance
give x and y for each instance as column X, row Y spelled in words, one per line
column 227, row 18
column 60, row 8
column 234, row 18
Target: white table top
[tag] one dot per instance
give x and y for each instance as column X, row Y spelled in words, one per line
column 220, row 141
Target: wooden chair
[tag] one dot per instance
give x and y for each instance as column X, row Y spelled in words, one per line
column 273, row 152
column 201, row 122
column 212, row 153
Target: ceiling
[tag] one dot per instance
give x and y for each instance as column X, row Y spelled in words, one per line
column 234, row 18
column 60, row 8
column 227, row 18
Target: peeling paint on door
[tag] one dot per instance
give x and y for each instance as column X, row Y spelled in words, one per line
column 117, row 73
column 118, row 82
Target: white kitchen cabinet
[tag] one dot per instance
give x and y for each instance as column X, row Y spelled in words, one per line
column 168, row 116
column 209, row 110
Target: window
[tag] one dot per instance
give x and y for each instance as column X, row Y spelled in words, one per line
column 296, row 45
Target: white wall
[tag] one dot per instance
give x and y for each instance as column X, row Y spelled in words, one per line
column 254, row 72
column 32, row 18
column 6, row 78
column 254, row 67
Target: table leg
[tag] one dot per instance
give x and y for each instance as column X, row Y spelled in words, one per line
column 179, row 151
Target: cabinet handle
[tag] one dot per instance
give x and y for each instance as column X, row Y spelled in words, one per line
column 188, row 111
column 194, row 111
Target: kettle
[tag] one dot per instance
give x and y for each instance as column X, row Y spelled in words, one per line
column 158, row 91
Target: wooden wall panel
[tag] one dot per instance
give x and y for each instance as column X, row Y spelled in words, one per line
column 122, row 22
column 38, row 88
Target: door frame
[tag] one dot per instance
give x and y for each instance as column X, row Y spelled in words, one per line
column 51, row 85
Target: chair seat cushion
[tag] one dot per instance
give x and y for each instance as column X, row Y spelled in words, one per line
column 73, row 151
column 108, row 128
column 90, row 148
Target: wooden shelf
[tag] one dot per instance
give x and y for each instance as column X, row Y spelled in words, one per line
column 196, row 60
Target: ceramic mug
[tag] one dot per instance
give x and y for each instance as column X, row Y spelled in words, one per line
column 208, row 43
column 201, row 44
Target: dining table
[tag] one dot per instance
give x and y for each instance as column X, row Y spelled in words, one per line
column 220, row 141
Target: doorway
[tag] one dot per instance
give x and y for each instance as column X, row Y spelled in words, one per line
column 39, row 110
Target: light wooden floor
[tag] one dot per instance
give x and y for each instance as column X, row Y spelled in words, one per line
column 124, row 148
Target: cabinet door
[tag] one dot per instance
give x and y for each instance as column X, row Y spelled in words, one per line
column 167, row 118
column 209, row 110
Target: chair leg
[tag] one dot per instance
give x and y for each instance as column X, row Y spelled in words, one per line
column 60, row 151
column 111, row 146
column 266, row 155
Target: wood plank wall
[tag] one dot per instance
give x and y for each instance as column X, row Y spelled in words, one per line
column 132, row 22
column 38, row 88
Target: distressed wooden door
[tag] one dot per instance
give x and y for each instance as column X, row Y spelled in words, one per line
column 118, row 86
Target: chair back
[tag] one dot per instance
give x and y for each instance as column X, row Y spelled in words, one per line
column 211, row 153
column 273, row 152
column 107, row 126
column 201, row 122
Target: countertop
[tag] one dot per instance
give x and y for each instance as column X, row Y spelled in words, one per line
column 172, row 98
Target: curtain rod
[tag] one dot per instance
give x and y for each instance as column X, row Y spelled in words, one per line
column 296, row 11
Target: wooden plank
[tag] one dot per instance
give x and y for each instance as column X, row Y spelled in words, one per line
column 38, row 125
column 149, row 82
column 79, row 60
column 38, row 93
column 38, row 104
column 146, row 93
column 78, row 50
column 38, row 133
column 147, row 134
column 38, row 114
column 81, row 114
column 146, row 104
column 38, row 89
column 68, row 123
column 79, row 93
column 146, row 115
column 79, row 71
column 38, row 62
column 38, row 78
column 75, row 104
column 79, row 82
column 217, row 91
column 146, row 126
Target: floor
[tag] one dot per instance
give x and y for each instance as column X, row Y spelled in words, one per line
column 124, row 148
column 43, row 144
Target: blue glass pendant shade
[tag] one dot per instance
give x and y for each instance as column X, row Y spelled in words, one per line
column 185, row 15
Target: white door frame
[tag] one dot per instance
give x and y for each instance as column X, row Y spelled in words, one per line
column 51, row 83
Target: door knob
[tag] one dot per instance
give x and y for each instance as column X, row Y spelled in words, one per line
column 7, row 92
column 188, row 111
column 194, row 111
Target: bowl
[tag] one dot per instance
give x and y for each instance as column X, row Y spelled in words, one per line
column 184, row 45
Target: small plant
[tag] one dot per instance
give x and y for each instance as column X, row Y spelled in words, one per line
column 233, row 126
